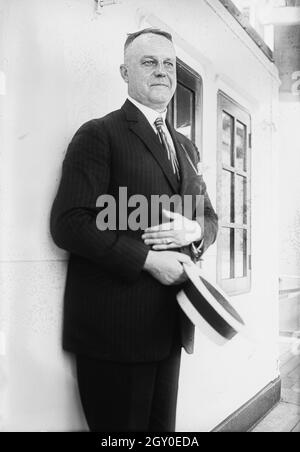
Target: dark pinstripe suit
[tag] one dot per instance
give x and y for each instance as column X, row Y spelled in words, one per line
column 113, row 309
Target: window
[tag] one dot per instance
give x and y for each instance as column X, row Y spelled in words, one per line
column 233, row 197
column 184, row 110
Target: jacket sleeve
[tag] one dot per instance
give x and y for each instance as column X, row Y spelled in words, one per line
column 208, row 223
column 207, row 219
column 86, row 175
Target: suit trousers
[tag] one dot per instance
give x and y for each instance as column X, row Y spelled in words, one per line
column 129, row 397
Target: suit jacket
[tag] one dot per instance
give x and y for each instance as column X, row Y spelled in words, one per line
column 113, row 309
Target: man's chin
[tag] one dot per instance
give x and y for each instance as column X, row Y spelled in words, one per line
column 160, row 100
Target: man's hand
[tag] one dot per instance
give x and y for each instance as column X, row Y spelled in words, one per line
column 173, row 234
column 166, row 266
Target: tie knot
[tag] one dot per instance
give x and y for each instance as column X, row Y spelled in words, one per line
column 159, row 122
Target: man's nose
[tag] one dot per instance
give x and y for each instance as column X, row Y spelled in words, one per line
column 160, row 69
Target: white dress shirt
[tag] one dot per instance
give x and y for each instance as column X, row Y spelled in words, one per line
column 151, row 115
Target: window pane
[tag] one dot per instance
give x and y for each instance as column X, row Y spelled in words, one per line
column 227, row 253
column 233, row 197
column 227, row 142
column 240, row 200
column 240, row 146
column 227, row 196
column 240, row 253
column 184, row 111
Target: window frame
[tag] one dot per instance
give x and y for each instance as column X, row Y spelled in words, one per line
column 235, row 285
column 190, row 79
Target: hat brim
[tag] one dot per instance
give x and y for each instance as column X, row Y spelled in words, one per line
column 208, row 307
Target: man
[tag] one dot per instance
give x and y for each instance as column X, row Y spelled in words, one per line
column 121, row 318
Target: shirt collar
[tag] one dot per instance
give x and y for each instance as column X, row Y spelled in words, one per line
column 150, row 114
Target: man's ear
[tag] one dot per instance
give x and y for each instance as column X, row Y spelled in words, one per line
column 124, row 72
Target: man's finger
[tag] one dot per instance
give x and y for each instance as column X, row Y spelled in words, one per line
column 157, row 235
column 160, row 227
column 171, row 246
column 166, row 241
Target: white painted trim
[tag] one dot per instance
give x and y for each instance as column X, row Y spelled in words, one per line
column 289, row 277
column 237, row 92
column 282, row 16
column 243, row 37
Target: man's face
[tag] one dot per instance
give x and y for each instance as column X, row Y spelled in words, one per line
column 150, row 70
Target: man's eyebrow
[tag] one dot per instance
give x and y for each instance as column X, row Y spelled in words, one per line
column 155, row 58
column 149, row 56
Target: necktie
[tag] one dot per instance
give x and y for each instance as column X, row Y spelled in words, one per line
column 159, row 124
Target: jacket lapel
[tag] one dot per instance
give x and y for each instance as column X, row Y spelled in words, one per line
column 139, row 125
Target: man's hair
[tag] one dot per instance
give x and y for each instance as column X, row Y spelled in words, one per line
column 155, row 31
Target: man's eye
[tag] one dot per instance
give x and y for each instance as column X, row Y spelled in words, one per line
column 148, row 63
column 169, row 64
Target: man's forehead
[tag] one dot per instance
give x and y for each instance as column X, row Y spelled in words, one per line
column 151, row 45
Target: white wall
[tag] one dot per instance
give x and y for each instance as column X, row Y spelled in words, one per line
column 289, row 188
column 289, row 213
column 61, row 63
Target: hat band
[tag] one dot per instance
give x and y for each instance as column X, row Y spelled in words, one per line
column 208, row 313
